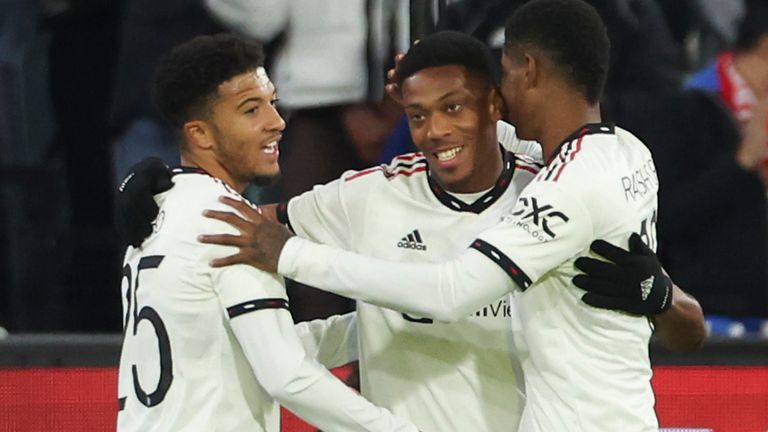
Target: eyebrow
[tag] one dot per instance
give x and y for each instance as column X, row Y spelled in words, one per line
column 250, row 99
column 443, row 97
column 256, row 99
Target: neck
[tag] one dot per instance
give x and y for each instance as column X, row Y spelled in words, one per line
column 754, row 69
column 214, row 169
column 562, row 119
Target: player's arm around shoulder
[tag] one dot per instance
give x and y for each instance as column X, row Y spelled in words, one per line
column 266, row 333
column 209, row 252
column 549, row 224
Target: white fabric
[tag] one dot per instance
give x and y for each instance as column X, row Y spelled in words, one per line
column 331, row 341
column 226, row 373
column 507, row 136
column 586, row 369
column 447, row 377
column 323, row 56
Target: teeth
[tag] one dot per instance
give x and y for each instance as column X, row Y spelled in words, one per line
column 270, row 148
column 448, row 154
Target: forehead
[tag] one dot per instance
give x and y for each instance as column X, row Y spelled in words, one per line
column 255, row 81
column 438, row 81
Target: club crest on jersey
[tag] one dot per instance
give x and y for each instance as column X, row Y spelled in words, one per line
column 412, row 241
column 537, row 218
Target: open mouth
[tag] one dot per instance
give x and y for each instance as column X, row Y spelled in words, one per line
column 270, row 148
column 449, row 154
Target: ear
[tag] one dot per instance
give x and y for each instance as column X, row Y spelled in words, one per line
column 198, row 134
column 497, row 109
column 532, row 70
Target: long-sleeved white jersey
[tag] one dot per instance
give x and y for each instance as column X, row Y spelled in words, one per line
column 443, row 376
column 586, row 369
column 215, row 349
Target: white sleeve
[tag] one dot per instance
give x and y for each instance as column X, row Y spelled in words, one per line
column 331, row 341
column 265, row 330
column 507, row 136
column 547, row 226
column 446, row 292
column 262, row 20
column 321, row 215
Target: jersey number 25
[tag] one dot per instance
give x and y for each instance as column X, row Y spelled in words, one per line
column 149, row 314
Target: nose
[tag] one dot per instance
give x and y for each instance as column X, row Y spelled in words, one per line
column 275, row 121
column 438, row 127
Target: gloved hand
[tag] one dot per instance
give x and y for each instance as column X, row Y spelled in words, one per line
column 633, row 282
column 135, row 206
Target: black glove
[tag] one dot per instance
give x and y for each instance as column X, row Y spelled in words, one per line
column 633, row 282
column 135, row 206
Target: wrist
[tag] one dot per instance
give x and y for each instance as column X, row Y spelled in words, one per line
column 668, row 302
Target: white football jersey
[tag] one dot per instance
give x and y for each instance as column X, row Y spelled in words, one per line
column 209, row 348
column 586, row 369
column 461, row 376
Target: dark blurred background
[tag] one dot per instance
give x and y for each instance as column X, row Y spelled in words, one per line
column 688, row 77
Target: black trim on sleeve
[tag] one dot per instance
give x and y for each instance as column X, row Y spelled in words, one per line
column 121, row 403
column 282, row 215
column 513, row 270
column 254, row 305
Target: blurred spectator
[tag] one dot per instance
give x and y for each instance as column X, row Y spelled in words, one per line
column 740, row 76
column 712, row 223
column 80, row 64
column 703, row 27
column 30, row 180
column 149, row 29
column 329, row 70
column 711, row 204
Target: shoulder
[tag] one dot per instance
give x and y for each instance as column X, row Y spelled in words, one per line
column 587, row 160
column 506, row 134
column 183, row 206
column 197, row 191
column 578, row 153
column 527, row 163
column 399, row 168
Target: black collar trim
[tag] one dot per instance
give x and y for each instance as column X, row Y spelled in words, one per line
column 587, row 129
column 485, row 201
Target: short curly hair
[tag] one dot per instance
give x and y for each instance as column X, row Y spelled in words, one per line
column 187, row 79
column 446, row 48
column 572, row 34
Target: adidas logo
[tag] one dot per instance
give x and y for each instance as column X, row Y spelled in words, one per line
column 412, row 241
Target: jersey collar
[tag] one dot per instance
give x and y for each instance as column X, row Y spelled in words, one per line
column 604, row 128
column 188, row 170
column 485, row 201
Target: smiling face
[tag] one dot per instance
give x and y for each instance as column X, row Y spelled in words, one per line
column 452, row 116
column 246, row 128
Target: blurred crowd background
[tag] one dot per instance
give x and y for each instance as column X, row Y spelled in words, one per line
column 689, row 77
